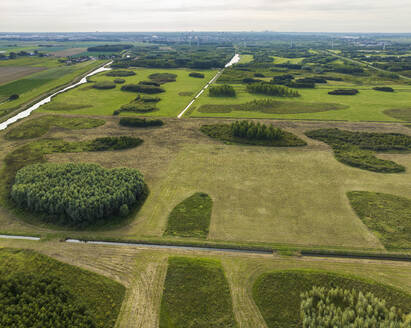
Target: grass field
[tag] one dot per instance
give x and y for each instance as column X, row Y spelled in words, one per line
column 244, row 59
column 11, row 73
column 282, row 60
column 196, row 294
column 142, row 272
column 102, row 297
column 257, row 193
column 105, row 102
column 368, row 105
column 39, row 83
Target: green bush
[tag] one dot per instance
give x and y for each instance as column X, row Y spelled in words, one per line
column 224, row 90
column 140, row 122
column 114, row 143
column 119, row 81
column 124, row 211
column 271, row 90
column 150, row 89
column 384, row 89
column 344, row 92
column 104, row 85
column 76, row 194
column 120, row 73
column 14, row 97
column 336, row 307
column 197, row 75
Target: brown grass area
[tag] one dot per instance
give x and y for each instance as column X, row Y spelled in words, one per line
column 11, row 73
column 69, row 52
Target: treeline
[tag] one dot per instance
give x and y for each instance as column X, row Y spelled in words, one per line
column 40, row 301
column 110, row 48
column 336, row 307
column 271, row 90
column 77, row 194
column 120, row 73
column 250, row 130
column 140, row 122
column 224, row 90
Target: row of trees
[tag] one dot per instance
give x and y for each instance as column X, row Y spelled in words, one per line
column 271, row 90
column 339, row 308
column 77, row 194
column 250, row 130
column 224, row 90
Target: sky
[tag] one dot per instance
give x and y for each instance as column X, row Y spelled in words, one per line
column 389, row 16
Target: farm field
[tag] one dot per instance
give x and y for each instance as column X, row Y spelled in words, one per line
column 104, row 102
column 35, row 85
column 143, row 273
column 263, row 190
column 10, row 73
column 368, row 105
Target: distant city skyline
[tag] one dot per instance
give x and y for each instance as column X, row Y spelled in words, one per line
column 347, row 16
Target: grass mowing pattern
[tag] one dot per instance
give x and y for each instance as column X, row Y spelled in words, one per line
column 277, row 294
column 403, row 114
column 39, row 126
column 388, row 216
column 196, row 294
column 191, row 218
column 224, row 132
column 101, row 297
column 269, row 106
column 358, row 149
column 58, row 106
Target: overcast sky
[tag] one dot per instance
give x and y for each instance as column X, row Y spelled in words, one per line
column 206, row 15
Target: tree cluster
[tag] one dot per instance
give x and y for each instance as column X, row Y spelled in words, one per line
column 120, row 73
column 38, row 301
column 76, row 194
column 250, row 130
column 142, row 88
column 224, row 90
column 195, row 74
column 140, row 122
column 384, row 89
column 344, row 92
column 341, row 308
column 104, row 85
column 114, row 143
column 271, row 90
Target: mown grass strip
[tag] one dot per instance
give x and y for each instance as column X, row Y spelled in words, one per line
column 196, row 294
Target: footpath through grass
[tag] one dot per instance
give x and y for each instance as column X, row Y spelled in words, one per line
column 54, row 284
column 277, row 294
column 388, row 216
column 196, row 294
column 191, row 218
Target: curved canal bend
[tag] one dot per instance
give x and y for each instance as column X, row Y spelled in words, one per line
column 28, row 111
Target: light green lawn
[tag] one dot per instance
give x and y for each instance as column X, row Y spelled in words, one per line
column 282, row 60
column 244, row 59
column 368, row 105
column 105, row 102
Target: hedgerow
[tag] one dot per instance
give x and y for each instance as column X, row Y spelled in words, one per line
column 344, row 92
column 140, row 122
column 76, row 194
column 120, row 73
column 271, row 90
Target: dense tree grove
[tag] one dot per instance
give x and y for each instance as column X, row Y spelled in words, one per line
column 40, row 302
column 344, row 92
column 339, row 308
column 120, row 73
column 250, row 130
column 76, row 194
column 224, row 90
column 103, row 85
column 140, row 122
column 142, row 88
column 114, row 143
column 196, row 74
column 119, row 81
column 271, row 90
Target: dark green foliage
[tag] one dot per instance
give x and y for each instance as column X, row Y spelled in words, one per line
column 110, row 48
column 277, row 294
column 348, row 69
column 191, row 218
column 162, row 78
column 150, row 89
column 403, row 114
column 357, row 148
column 338, row 308
column 35, row 301
column 282, row 79
column 225, row 132
column 149, row 83
column 224, row 90
column 13, row 97
column 272, row 107
column 300, row 84
column 140, row 122
column 259, row 75
column 124, row 210
column 250, row 130
column 76, row 194
column 196, row 74
column 384, row 89
column 114, row 143
column 119, row 81
column 344, row 92
column 103, row 85
column 388, row 216
column 50, row 294
column 148, row 99
column 141, row 104
column 120, row 73
column 250, row 80
column 196, row 294
column 271, row 90
column 37, row 127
